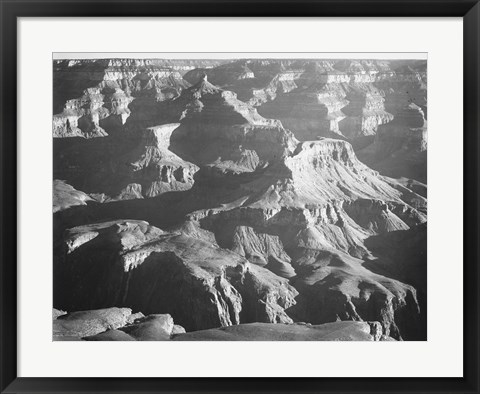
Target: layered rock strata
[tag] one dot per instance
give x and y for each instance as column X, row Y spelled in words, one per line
column 400, row 147
column 146, row 269
column 256, row 216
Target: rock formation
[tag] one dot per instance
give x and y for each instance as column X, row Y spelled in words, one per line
column 241, row 196
column 400, row 147
column 140, row 266
column 115, row 324
column 75, row 325
column 65, row 196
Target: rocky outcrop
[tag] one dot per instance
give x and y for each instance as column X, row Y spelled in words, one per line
column 161, row 328
column 311, row 112
column 224, row 74
column 224, row 134
column 365, row 111
column 318, row 200
column 97, row 107
column 342, row 110
column 402, row 255
column 314, row 175
column 408, row 86
column 141, row 267
column 57, row 313
column 113, row 324
column 332, row 285
column 347, row 99
column 336, row 286
column 152, row 166
column 254, row 81
column 75, row 325
column 311, row 97
column 249, row 224
column 129, row 168
column 120, row 324
column 93, row 97
column 81, row 116
column 71, row 77
column 149, row 328
column 158, row 165
column 65, row 196
column 263, row 250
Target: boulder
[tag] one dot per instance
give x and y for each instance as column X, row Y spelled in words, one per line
column 90, row 322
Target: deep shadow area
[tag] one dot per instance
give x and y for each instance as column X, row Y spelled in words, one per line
column 402, row 255
column 89, row 164
column 70, row 82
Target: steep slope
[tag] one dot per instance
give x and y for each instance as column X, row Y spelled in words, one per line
column 133, row 264
column 336, row 286
column 254, row 81
column 150, row 168
column 224, row 134
column 215, row 131
column 159, row 168
column 71, row 77
column 321, row 199
column 125, row 166
column 93, row 97
column 81, row 117
column 224, row 74
column 402, row 255
column 400, row 147
column 347, row 99
column 249, row 224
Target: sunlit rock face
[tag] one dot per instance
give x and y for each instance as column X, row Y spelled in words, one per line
column 93, row 91
column 225, row 134
column 154, row 166
column 81, row 117
column 154, row 271
column 120, row 324
column 347, row 99
column 65, row 196
column 231, row 196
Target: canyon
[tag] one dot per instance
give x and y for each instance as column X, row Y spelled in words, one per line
column 243, row 199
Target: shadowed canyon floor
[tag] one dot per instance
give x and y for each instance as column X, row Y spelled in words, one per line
column 249, row 199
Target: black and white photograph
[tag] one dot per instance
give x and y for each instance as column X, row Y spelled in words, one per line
column 239, row 197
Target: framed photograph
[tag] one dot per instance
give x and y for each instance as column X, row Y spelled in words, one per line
column 219, row 196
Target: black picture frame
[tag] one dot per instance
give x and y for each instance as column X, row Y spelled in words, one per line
column 10, row 10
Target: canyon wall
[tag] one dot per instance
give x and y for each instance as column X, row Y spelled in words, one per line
column 225, row 193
